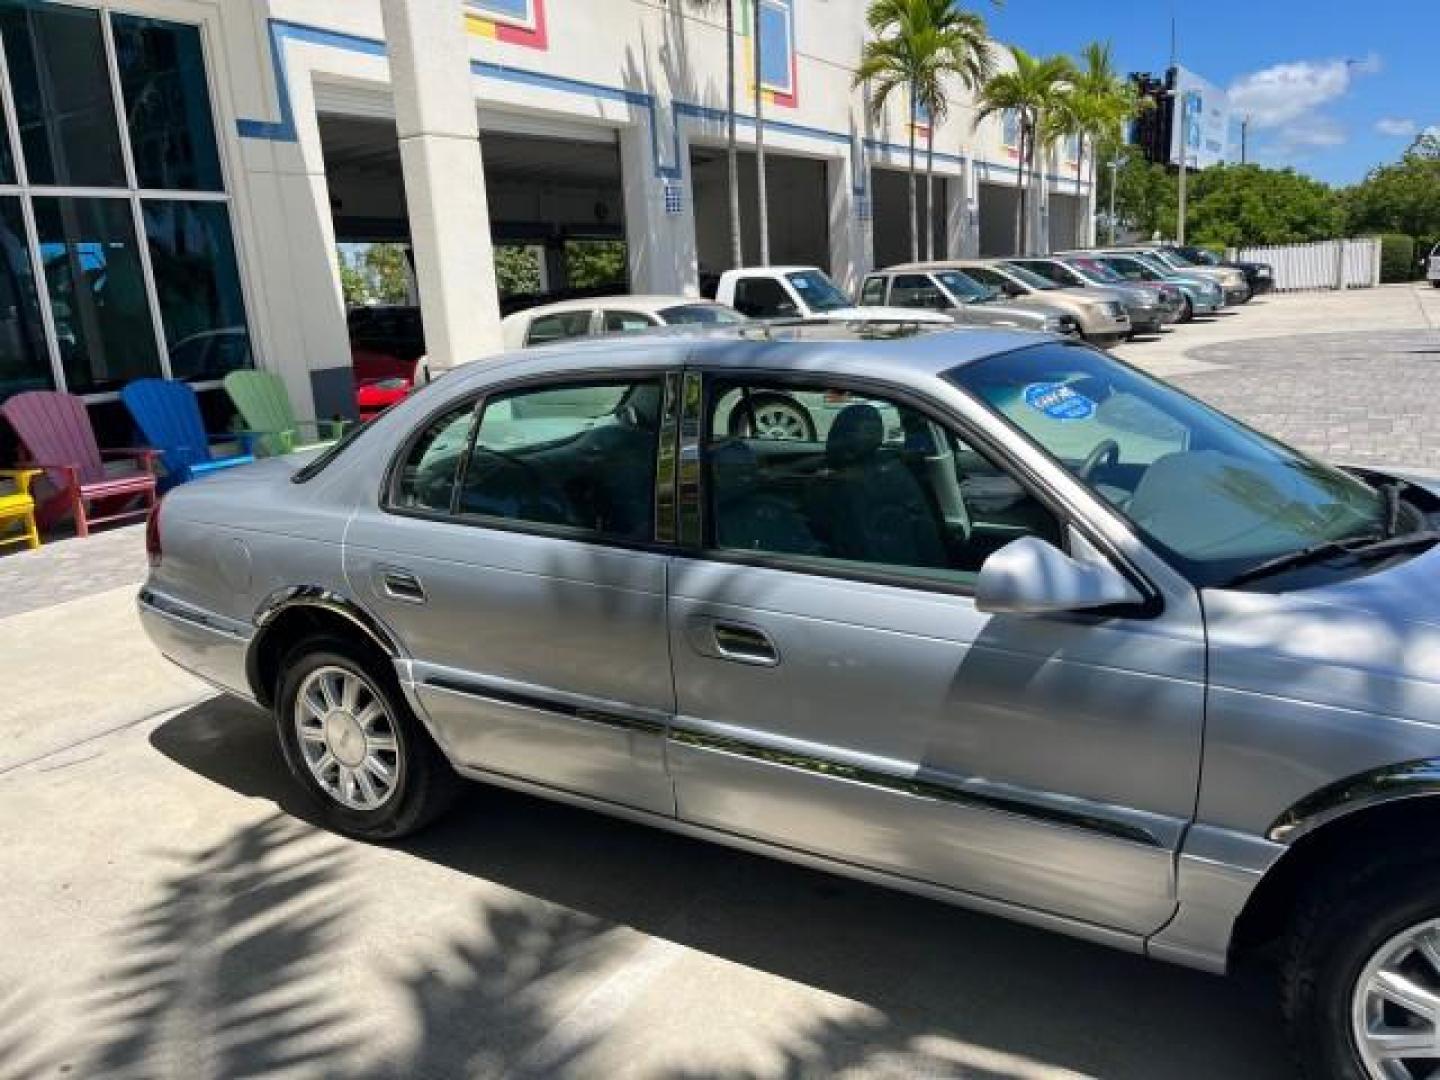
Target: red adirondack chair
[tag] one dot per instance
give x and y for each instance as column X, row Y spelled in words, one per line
column 55, row 431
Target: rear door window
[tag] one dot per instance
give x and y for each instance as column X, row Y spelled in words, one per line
column 625, row 322
column 558, row 326
column 873, row 294
column 917, row 291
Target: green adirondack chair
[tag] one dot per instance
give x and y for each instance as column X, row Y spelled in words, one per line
column 265, row 410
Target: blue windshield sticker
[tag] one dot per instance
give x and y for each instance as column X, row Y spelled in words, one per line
column 1058, row 401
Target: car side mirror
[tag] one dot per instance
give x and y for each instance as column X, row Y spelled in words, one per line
column 1030, row 576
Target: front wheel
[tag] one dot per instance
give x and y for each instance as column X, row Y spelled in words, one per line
column 352, row 741
column 1362, row 976
column 1187, row 309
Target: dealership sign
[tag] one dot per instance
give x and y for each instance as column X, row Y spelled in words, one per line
column 1205, row 133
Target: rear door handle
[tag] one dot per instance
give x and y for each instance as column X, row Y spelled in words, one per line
column 401, row 585
column 744, row 644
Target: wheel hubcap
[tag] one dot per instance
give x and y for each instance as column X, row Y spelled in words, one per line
column 347, row 738
column 779, row 422
column 1395, row 1012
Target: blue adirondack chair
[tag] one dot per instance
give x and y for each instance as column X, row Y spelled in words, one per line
column 169, row 416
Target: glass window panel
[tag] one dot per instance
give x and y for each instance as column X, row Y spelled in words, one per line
column 836, row 480
column 61, row 86
column 24, row 361
column 775, row 45
column 198, row 284
column 579, row 456
column 167, row 104
column 97, row 292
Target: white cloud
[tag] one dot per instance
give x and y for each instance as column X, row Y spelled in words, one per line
column 1276, row 95
column 1397, row 128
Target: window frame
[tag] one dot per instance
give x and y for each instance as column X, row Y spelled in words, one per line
column 591, row 314
column 661, row 539
column 695, row 447
column 883, row 280
column 128, row 191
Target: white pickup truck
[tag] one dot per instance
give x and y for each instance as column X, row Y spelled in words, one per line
column 1432, row 269
column 805, row 292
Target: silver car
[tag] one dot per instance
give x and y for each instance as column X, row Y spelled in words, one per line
column 940, row 287
column 1077, row 649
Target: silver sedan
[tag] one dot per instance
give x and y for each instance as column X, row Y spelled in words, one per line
column 1024, row 629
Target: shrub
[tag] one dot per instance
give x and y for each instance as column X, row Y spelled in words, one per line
column 1397, row 258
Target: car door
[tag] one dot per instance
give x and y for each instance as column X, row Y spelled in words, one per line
column 839, row 693
column 513, row 550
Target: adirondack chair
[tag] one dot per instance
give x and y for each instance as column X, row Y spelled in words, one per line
column 55, row 431
column 168, row 414
column 19, row 507
column 265, row 409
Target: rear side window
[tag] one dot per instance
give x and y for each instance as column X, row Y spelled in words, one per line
column 624, row 322
column 917, row 291
column 763, row 298
column 558, row 327
column 426, row 480
column 873, row 294
column 580, row 456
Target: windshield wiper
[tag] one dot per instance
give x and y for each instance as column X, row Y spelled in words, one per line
column 1364, row 546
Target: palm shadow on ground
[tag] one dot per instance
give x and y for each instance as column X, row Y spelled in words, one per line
column 939, row 989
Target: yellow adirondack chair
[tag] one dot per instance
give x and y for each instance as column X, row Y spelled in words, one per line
column 18, row 506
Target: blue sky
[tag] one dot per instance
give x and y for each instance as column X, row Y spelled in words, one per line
column 1285, row 62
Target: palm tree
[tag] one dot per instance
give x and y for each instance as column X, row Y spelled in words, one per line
column 916, row 45
column 1098, row 104
column 1035, row 88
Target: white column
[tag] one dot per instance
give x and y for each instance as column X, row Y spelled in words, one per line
column 957, row 210
column 852, row 243
column 444, row 179
column 659, row 238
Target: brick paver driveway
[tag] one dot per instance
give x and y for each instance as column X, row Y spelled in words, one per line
column 1357, row 398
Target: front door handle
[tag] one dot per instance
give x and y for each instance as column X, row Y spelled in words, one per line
column 743, row 644
column 402, row 585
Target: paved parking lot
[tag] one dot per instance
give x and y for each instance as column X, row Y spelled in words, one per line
column 167, row 913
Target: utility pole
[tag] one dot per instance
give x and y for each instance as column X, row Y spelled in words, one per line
column 1184, row 158
column 1244, row 140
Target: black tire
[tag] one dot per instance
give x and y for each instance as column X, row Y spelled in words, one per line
column 1332, row 939
column 426, row 784
column 740, row 426
column 1187, row 309
column 1435, row 284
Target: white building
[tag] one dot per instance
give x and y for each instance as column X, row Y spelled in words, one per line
column 175, row 174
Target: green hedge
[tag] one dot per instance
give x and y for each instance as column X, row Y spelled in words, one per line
column 1397, row 258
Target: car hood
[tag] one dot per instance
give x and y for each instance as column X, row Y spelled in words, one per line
column 882, row 314
column 1370, row 644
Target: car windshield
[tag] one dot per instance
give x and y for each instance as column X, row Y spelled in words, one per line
column 1212, row 496
column 1029, row 277
column 1135, row 268
column 965, row 289
column 818, row 291
column 708, row 314
column 1097, row 269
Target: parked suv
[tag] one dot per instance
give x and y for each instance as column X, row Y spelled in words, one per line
column 1260, row 277
column 1139, row 309
column 941, row 287
column 1200, row 296
column 1150, row 307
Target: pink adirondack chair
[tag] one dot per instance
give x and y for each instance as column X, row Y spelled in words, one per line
column 55, row 431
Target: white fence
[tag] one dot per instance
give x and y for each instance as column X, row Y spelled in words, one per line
column 1330, row 264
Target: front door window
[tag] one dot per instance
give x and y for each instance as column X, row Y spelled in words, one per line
column 871, row 485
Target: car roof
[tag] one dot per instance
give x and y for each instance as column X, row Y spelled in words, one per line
column 649, row 302
column 922, row 266
column 821, row 347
